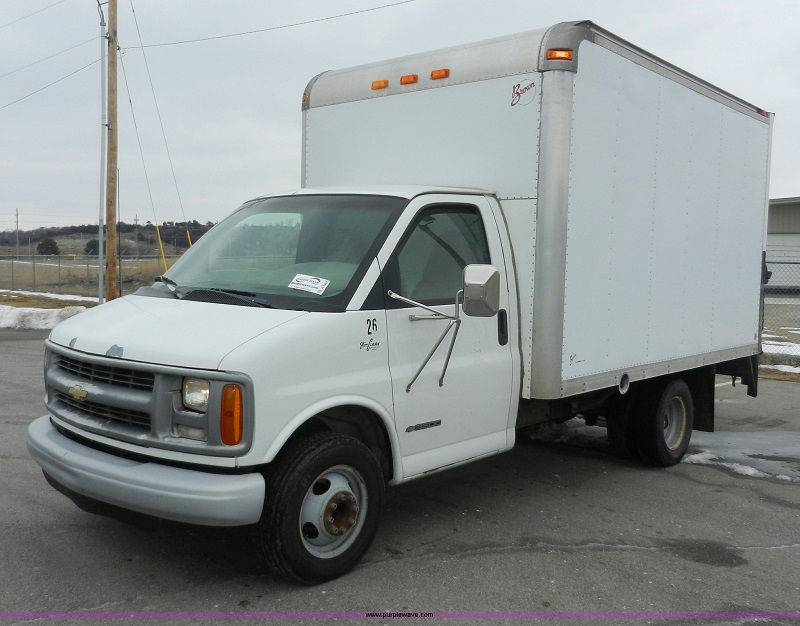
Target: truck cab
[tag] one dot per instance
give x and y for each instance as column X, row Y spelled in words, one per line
column 313, row 312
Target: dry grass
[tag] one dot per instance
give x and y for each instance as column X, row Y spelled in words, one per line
column 778, row 375
column 40, row 302
column 73, row 275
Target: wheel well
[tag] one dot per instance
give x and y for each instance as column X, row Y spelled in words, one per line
column 700, row 381
column 357, row 422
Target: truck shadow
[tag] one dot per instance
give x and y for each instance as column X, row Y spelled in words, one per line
column 442, row 514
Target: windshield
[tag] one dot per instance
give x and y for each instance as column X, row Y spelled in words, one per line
column 291, row 252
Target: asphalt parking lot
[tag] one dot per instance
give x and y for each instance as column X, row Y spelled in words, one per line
column 557, row 528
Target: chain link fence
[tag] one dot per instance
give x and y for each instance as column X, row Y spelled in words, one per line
column 77, row 275
column 781, row 336
column 74, row 274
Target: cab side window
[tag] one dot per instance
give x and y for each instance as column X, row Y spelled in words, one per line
column 439, row 244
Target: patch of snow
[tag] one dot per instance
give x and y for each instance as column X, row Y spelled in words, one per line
column 736, row 468
column 781, row 347
column 766, row 455
column 54, row 296
column 771, row 454
column 30, row 318
column 783, row 368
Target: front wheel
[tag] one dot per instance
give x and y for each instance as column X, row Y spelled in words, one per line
column 666, row 424
column 324, row 499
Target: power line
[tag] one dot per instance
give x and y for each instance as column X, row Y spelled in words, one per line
column 24, row 17
column 55, row 54
column 271, row 28
column 160, row 119
column 80, row 69
column 138, row 138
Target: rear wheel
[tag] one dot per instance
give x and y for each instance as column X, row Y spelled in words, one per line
column 323, row 505
column 666, row 424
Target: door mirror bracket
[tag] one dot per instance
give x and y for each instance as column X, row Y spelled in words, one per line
column 455, row 320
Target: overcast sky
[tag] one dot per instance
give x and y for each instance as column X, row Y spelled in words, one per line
column 231, row 106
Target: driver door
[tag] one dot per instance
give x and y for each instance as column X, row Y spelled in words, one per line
column 467, row 416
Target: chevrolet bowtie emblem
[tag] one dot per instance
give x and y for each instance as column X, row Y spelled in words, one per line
column 76, row 392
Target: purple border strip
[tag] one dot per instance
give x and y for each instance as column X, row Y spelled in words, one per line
column 24, row 615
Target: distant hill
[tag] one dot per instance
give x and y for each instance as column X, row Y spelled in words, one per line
column 133, row 239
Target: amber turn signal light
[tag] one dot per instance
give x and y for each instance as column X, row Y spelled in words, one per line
column 230, row 415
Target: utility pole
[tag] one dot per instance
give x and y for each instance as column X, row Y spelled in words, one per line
column 111, row 165
column 103, row 133
column 136, row 230
column 17, row 254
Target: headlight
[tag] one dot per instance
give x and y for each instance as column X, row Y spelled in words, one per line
column 195, row 394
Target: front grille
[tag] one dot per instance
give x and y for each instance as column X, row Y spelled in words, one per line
column 104, row 374
column 93, row 409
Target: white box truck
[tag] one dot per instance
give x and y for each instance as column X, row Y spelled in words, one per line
column 488, row 237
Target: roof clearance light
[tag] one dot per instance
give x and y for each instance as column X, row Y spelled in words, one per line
column 409, row 79
column 559, row 55
column 379, row 84
column 442, row 73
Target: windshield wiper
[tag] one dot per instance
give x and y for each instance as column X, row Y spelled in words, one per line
column 249, row 297
column 171, row 284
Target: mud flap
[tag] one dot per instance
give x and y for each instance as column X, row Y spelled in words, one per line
column 745, row 368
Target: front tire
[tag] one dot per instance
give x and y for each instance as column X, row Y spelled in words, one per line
column 666, row 424
column 324, row 499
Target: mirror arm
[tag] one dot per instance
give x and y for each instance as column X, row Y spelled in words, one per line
column 439, row 314
column 430, row 354
column 455, row 320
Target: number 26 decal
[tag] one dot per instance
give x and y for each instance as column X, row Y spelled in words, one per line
column 372, row 326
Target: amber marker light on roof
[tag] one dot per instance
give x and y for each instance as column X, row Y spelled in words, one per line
column 409, row 79
column 559, row 55
column 379, row 84
column 442, row 73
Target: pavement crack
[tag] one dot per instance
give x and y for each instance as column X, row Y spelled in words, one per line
column 697, row 551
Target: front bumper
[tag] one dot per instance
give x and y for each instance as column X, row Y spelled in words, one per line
column 178, row 494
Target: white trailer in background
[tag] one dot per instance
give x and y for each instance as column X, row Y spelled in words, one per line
column 489, row 237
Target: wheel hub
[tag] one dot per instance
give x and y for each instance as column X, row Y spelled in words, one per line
column 674, row 423
column 332, row 511
column 340, row 513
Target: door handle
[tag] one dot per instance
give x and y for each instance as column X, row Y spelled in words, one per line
column 502, row 327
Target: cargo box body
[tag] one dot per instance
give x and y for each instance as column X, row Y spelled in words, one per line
column 634, row 193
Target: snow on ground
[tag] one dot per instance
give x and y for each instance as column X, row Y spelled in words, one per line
column 52, row 296
column 30, row 318
column 791, row 369
column 780, row 347
column 772, row 455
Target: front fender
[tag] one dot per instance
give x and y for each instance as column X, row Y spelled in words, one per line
column 385, row 415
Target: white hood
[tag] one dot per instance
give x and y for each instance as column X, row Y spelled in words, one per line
column 167, row 331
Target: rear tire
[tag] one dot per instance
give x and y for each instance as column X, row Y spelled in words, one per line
column 322, row 508
column 666, row 422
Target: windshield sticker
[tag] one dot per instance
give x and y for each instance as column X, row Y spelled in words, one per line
column 303, row 282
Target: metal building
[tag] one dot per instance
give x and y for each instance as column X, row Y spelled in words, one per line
column 783, row 243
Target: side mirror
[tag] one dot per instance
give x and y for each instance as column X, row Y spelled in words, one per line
column 481, row 290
